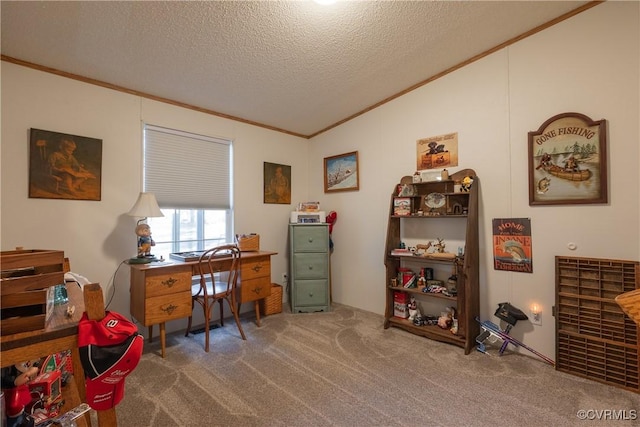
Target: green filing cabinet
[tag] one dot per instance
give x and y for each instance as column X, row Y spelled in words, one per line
column 309, row 267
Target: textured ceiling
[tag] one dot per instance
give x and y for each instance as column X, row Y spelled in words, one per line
column 294, row 66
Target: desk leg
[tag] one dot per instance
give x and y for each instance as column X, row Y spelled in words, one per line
column 257, row 307
column 162, row 338
column 150, row 334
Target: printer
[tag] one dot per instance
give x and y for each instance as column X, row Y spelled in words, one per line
column 301, row 217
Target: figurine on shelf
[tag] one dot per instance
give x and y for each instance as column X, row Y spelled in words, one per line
column 421, row 249
column 439, row 246
column 422, row 282
column 413, row 309
column 445, row 321
column 15, row 380
column 466, row 184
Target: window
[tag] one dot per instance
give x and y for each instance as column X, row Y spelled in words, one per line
column 190, row 176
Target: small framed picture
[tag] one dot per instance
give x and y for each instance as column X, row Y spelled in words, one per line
column 402, row 206
column 277, row 183
column 341, row 173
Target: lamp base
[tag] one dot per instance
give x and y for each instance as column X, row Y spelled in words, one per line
column 143, row 260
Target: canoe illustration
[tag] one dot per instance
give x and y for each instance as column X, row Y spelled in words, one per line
column 571, row 175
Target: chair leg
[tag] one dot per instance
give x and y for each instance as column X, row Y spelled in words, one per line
column 207, row 320
column 221, row 314
column 237, row 318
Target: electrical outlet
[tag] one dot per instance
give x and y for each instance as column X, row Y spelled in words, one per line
column 536, row 318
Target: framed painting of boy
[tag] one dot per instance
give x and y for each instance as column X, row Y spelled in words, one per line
column 64, row 166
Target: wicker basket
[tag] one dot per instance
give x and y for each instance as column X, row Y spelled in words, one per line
column 629, row 302
column 273, row 303
column 248, row 242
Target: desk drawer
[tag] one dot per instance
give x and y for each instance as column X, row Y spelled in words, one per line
column 167, row 307
column 255, row 268
column 167, row 282
column 255, row 289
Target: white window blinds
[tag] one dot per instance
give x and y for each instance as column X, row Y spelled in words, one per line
column 187, row 171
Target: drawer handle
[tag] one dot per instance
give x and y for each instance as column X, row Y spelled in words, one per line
column 310, row 294
column 311, row 267
column 257, row 267
column 169, row 309
column 257, row 290
column 310, row 239
column 169, row 282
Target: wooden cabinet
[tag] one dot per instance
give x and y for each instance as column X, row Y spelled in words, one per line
column 594, row 338
column 309, row 267
column 419, row 215
column 158, row 296
column 255, row 279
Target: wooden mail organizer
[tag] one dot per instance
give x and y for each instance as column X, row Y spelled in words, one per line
column 161, row 292
column 26, row 278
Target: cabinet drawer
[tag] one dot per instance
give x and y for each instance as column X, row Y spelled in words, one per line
column 255, row 268
column 310, row 238
column 167, row 307
column 167, row 282
column 254, row 289
column 311, row 292
column 310, row 265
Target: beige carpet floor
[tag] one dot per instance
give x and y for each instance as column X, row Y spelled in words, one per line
column 343, row 368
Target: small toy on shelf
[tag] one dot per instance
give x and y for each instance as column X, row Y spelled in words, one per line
column 466, row 184
column 445, row 321
column 413, row 309
column 15, row 379
column 422, row 282
column 439, row 246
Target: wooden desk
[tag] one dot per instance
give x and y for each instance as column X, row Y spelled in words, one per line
column 161, row 292
column 60, row 334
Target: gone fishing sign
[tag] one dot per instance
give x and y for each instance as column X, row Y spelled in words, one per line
column 568, row 161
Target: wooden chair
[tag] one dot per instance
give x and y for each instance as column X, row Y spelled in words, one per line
column 629, row 302
column 216, row 284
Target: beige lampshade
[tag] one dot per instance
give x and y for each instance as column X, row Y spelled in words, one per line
column 146, row 206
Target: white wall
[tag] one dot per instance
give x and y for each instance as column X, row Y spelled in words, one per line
column 588, row 64
column 98, row 235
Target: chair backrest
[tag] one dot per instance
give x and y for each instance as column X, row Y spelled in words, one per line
column 629, row 302
column 223, row 261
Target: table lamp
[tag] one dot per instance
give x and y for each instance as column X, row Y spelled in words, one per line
column 145, row 207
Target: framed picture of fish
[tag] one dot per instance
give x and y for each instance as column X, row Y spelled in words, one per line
column 512, row 246
column 568, row 161
column 341, row 173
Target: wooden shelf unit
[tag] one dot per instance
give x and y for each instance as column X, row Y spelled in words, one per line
column 429, row 227
column 594, row 338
